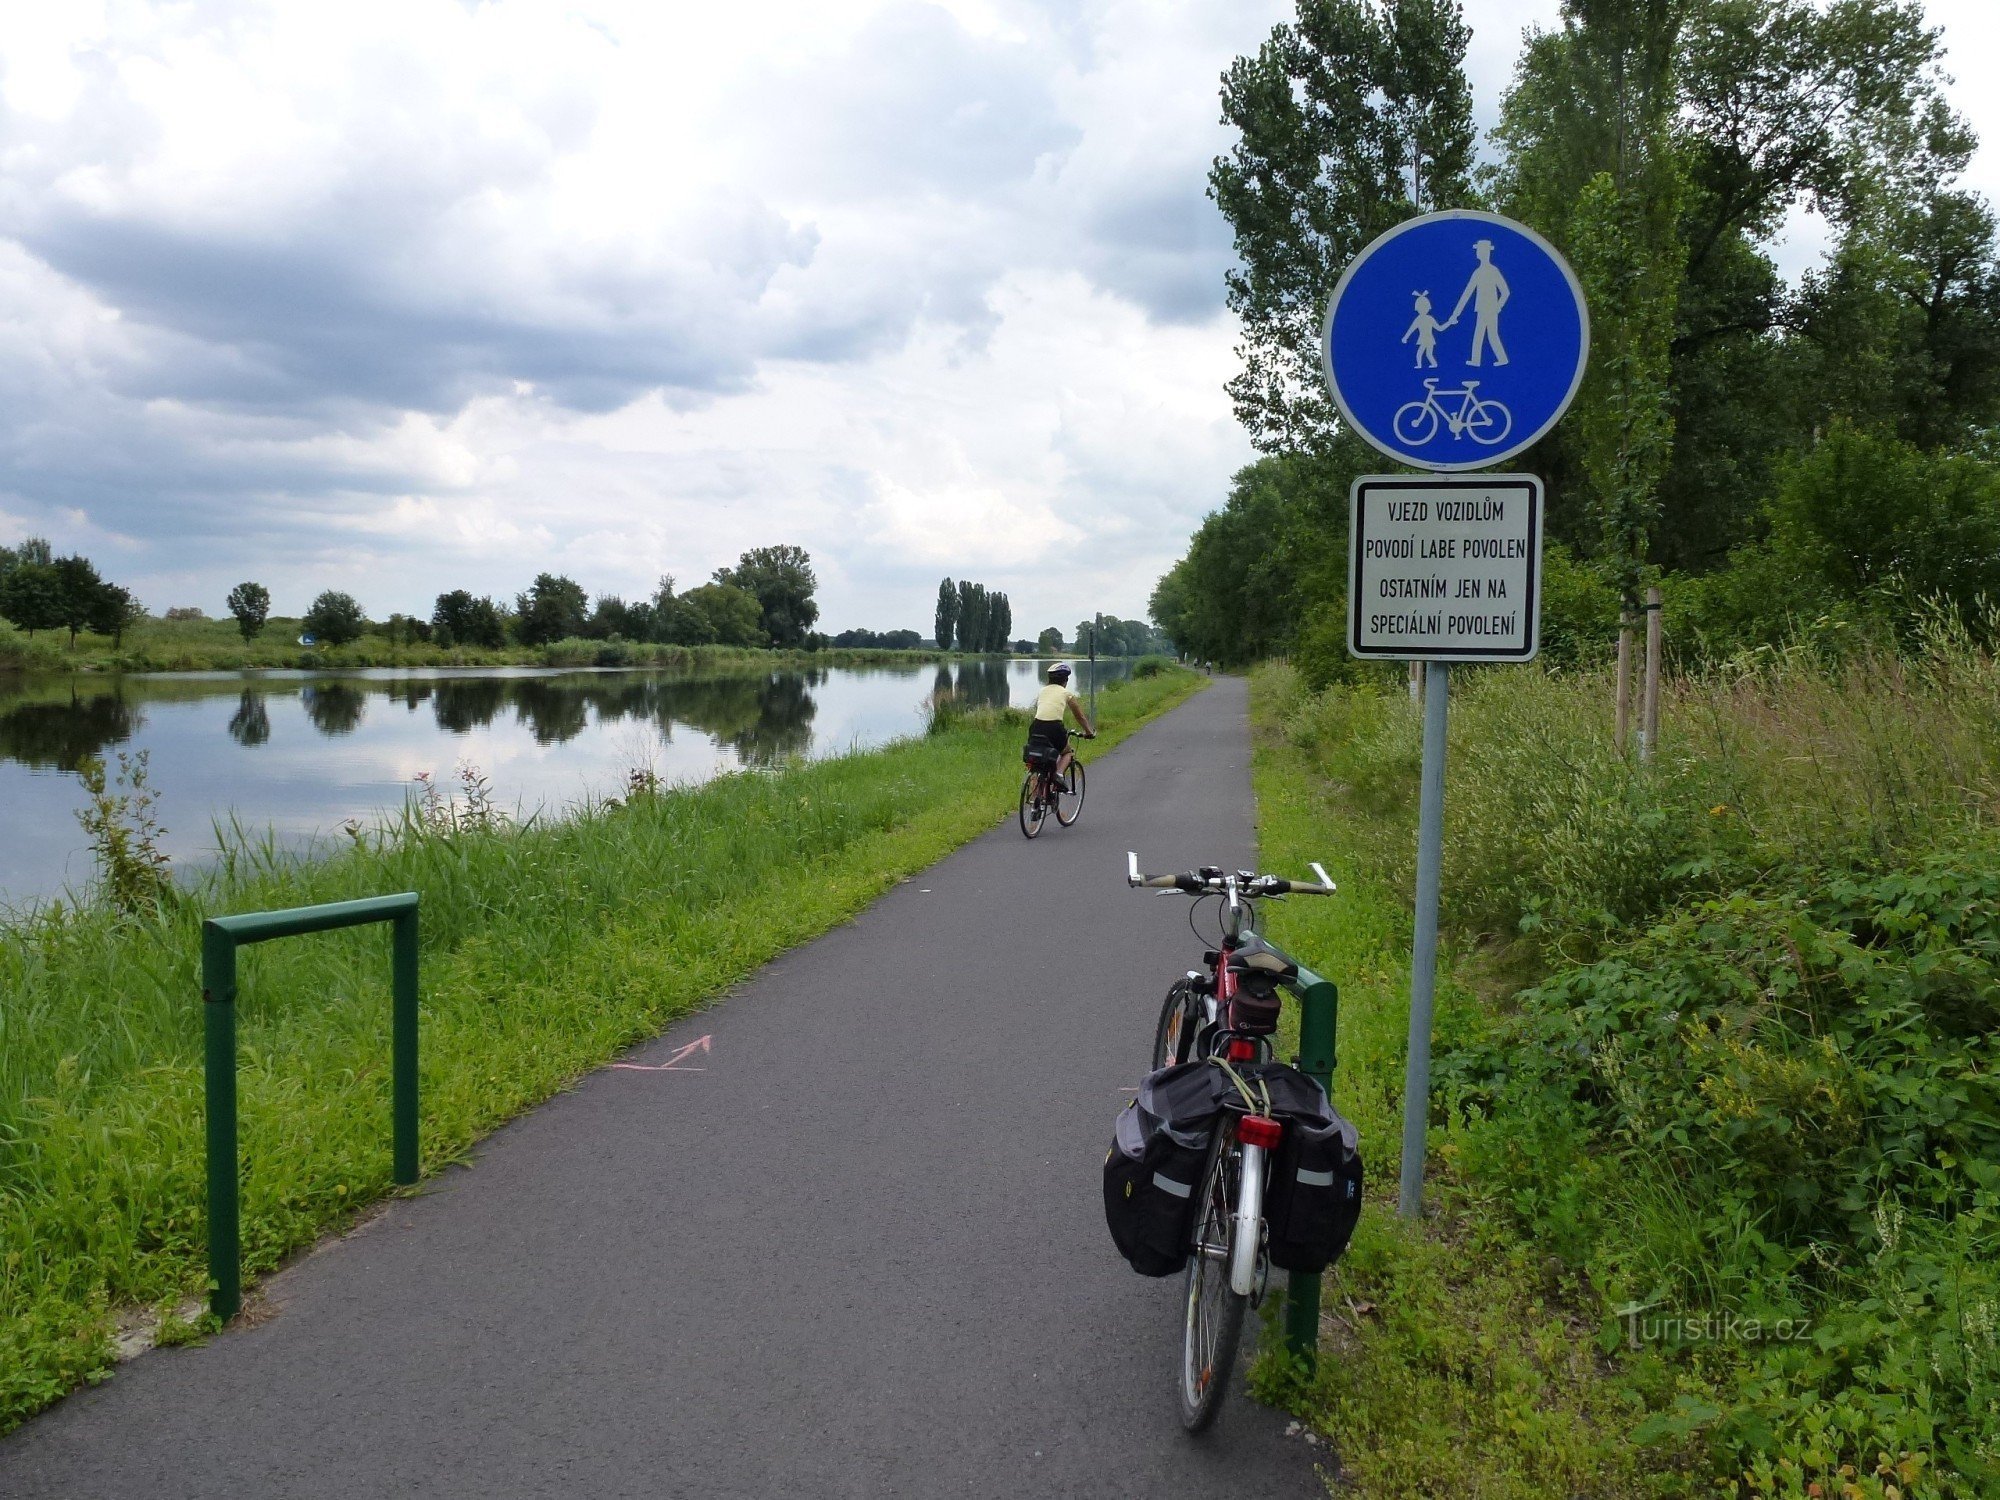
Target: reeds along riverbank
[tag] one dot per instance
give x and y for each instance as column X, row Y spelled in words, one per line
column 1715, row 1149
column 547, row 949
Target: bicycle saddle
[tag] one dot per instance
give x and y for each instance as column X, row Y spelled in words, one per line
column 1253, row 955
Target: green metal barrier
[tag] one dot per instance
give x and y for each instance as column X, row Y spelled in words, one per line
column 1319, row 1019
column 220, row 938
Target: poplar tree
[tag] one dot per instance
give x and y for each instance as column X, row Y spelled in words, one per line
column 946, row 618
column 1351, row 120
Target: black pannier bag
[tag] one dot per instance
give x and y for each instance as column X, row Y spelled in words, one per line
column 1153, row 1172
column 1040, row 753
column 1314, row 1198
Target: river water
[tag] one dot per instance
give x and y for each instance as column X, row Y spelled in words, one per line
column 300, row 753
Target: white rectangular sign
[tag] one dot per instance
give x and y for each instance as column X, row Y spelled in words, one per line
column 1445, row 568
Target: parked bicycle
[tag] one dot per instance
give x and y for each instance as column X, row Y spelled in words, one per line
column 1046, row 790
column 1251, row 1112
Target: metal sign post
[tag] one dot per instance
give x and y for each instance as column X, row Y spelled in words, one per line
column 1453, row 342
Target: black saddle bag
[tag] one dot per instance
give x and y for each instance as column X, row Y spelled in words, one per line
column 1254, row 1009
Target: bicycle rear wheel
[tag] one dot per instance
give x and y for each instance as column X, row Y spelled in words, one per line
column 1034, row 811
column 1212, row 1315
column 1173, row 1038
column 1069, row 795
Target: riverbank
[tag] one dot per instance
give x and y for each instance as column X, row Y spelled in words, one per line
column 547, row 951
column 216, row 646
column 1712, row 1199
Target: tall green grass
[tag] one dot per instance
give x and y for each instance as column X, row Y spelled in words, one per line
column 1717, row 1039
column 547, row 949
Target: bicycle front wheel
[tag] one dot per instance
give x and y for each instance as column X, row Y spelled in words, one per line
column 1069, row 795
column 1033, row 809
column 1212, row 1324
column 1173, row 1038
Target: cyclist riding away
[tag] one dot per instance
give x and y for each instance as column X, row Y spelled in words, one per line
column 1050, row 704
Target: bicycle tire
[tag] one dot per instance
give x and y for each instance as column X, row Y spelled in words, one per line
column 1069, row 795
column 1034, row 811
column 1211, row 1314
column 1180, row 1015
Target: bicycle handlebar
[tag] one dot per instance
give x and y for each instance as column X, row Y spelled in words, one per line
column 1214, row 881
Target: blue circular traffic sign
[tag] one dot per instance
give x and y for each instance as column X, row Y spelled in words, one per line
column 1455, row 340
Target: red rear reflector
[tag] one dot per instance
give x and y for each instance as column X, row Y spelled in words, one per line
column 1259, row 1130
column 1241, row 1050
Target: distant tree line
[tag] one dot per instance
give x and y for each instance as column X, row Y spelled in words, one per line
column 969, row 618
column 40, row 591
column 1111, row 636
column 766, row 599
column 877, row 640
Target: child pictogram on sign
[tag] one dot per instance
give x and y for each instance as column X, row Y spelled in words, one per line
column 1424, row 329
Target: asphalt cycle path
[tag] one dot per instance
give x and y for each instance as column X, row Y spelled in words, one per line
column 851, row 1245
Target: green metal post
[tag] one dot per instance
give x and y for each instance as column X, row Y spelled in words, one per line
column 220, row 938
column 403, row 1043
column 1319, row 1021
column 218, row 993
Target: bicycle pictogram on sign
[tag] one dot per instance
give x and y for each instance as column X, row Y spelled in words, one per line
column 1417, row 422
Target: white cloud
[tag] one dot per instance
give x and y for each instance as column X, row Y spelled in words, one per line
column 405, row 295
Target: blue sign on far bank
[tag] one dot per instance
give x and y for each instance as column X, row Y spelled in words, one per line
column 1455, row 340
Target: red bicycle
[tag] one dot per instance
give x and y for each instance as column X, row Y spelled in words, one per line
column 1046, row 790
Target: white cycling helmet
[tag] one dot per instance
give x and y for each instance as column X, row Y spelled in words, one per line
column 1060, row 669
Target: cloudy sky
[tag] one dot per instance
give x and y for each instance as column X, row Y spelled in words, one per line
column 397, row 296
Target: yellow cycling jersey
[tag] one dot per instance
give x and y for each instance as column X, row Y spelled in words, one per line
column 1052, row 700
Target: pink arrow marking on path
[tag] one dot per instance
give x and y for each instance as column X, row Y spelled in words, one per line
column 672, row 1064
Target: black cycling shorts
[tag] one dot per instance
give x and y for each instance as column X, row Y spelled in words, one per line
column 1051, row 732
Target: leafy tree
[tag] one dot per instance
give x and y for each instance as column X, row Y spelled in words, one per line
column 334, row 619
column 1049, row 642
column 250, row 603
column 732, row 614
column 31, row 595
column 1661, row 143
column 781, row 580
column 79, row 593
column 612, row 616
column 34, row 549
column 945, row 620
column 1000, row 624
column 1270, row 563
column 459, row 619
column 553, row 609
column 114, row 610
column 678, row 621
column 1870, row 514
column 407, row 630
column 1331, row 113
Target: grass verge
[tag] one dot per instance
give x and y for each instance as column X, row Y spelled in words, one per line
column 1715, row 1128
column 1455, row 1359
column 547, row 950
